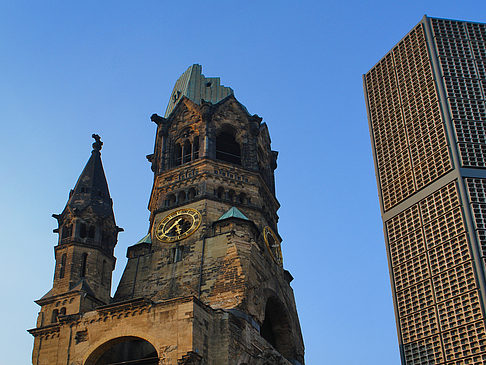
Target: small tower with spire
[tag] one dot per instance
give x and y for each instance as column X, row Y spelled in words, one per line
column 84, row 253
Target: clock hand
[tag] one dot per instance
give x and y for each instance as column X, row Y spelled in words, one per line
column 172, row 226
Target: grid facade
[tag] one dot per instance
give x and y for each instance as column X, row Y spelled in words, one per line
column 426, row 103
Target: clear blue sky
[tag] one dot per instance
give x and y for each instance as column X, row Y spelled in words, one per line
column 70, row 69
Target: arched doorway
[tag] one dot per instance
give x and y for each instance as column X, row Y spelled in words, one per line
column 276, row 328
column 126, row 351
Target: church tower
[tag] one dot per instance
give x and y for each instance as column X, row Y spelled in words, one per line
column 207, row 284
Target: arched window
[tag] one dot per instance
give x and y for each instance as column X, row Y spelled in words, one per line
column 55, row 314
column 171, row 200
column 67, row 231
column 181, row 197
column 187, row 151
column 91, row 232
column 62, row 267
column 191, row 194
column 178, row 155
column 227, row 149
column 220, row 193
column 83, row 230
column 195, row 148
column 242, row 198
column 231, row 195
column 84, row 261
column 62, row 312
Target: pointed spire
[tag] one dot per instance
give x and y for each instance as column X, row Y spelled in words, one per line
column 91, row 188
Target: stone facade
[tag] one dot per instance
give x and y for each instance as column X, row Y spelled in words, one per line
column 203, row 289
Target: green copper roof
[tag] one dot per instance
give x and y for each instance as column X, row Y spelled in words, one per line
column 146, row 239
column 233, row 212
column 195, row 86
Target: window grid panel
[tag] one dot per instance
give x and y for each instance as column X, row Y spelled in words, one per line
column 449, row 28
column 476, row 31
column 439, row 203
column 403, row 223
column 424, row 352
column 391, row 146
column 456, row 281
column 422, row 115
column 412, row 272
column 464, row 341
column 444, row 228
column 472, row 155
column 482, row 241
column 476, row 190
column 467, row 109
column 463, row 88
column 457, row 48
column 415, row 298
column 398, row 190
column 470, row 360
column 451, row 253
column 481, row 67
column 458, row 67
column 419, row 325
column 470, row 131
column 479, row 211
column 459, row 311
column 394, row 168
column 478, row 49
column 432, row 168
column 405, row 248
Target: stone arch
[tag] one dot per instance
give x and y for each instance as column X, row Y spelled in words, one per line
column 181, row 197
column 276, row 327
column 227, row 146
column 128, row 349
column 220, row 193
column 191, row 194
column 171, row 200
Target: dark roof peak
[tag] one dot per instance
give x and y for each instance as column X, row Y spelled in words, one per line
column 91, row 189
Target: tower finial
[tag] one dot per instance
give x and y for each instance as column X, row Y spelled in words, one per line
column 98, row 144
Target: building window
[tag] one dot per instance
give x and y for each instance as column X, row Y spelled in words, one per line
column 62, row 312
column 67, row 231
column 91, row 232
column 227, row 149
column 176, row 254
column 186, row 151
column 62, row 268
column 103, row 272
column 178, row 155
column 171, row 200
column 55, row 314
column 82, row 230
column 220, row 193
column 191, row 194
column 84, row 261
column 181, row 197
column 195, row 148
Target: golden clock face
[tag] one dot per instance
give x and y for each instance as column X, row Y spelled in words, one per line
column 273, row 244
column 178, row 225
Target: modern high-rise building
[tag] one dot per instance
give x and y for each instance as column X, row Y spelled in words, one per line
column 206, row 285
column 426, row 102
